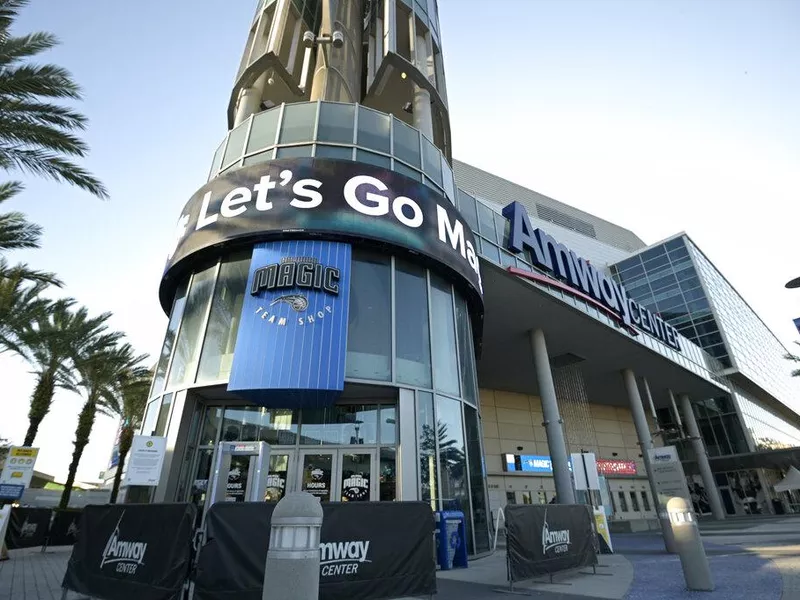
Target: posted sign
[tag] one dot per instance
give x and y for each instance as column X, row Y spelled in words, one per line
column 18, row 469
column 146, row 460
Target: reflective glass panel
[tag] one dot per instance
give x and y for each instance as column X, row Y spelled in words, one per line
column 223, row 322
column 163, row 415
column 388, row 425
column 345, row 425
column 432, row 159
column 426, row 440
column 466, row 206
column 210, row 429
column 187, row 349
column 150, row 416
column 445, row 354
column 369, row 336
column 265, row 126
column 334, row 152
column 276, row 426
column 466, row 351
column 294, row 152
column 373, row 159
column 373, row 130
column 169, row 339
column 406, row 143
column 413, row 346
column 407, row 171
column 298, row 122
column 235, row 144
column 452, row 457
column 336, row 123
column 480, row 512
column 388, row 475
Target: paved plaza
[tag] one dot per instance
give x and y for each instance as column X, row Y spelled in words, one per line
column 750, row 558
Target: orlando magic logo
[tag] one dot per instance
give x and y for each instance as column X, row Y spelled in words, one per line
column 296, row 301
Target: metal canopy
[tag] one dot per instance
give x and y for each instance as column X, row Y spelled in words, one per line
column 514, row 307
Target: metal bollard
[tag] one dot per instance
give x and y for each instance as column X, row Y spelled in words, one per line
column 292, row 571
column 694, row 561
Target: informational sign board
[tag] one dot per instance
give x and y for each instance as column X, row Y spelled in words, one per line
column 145, row 460
column 584, row 471
column 19, row 465
column 668, row 474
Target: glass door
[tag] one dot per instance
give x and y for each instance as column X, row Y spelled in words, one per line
column 280, row 465
column 316, row 473
column 356, row 476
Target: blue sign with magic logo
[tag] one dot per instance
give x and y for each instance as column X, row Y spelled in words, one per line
column 292, row 340
column 530, row 463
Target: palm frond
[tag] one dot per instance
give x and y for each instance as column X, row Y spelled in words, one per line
column 13, row 49
column 45, row 163
column 28, row 81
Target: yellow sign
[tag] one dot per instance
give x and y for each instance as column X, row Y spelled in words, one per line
column 22, row 451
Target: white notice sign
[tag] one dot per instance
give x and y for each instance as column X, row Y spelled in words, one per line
column 19, row 465
column 145, row 460
column 668, row 474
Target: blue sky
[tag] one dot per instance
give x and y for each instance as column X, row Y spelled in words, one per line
column 659, row 116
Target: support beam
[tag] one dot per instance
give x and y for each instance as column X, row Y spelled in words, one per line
column 646, row 444
column 702, row 458
column 676, row 413
column 552, row 420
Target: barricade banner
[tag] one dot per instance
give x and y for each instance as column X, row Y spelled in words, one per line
column 28, row 527
column 368, row 551
column 547, row 538
column 64, row 528
column 132, row 551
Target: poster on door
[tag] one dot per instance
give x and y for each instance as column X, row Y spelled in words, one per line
column 276, row 486
column 237, row 479
column 355, row 487
column 317, row 482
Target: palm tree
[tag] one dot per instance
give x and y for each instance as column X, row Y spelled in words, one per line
column 127, row 401
column 50, row 344
column 100, row 367
column 794, row 358
column 37, row 135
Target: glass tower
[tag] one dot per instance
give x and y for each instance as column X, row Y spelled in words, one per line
column 361, row 82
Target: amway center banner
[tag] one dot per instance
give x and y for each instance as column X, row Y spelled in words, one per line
column 292, row 339
column 336, row 198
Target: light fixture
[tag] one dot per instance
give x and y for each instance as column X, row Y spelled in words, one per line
column 408, row 107
column 403, row 75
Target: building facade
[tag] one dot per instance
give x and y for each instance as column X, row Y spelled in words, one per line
column 395, row 324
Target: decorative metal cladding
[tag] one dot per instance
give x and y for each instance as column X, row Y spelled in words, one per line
column 573, row 404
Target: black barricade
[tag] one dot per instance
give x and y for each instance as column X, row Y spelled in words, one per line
column 135, row 551
column 64, row 528
column 547, row 538
column 389, row 545
column 28, row 527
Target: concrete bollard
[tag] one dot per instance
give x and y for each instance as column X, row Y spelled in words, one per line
column 694, row 561
column 292, row 571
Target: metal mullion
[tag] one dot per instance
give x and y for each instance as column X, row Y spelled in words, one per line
column 393, row 320
column 204, row 331
column 278, row 127
column 246, row 138
column 315, row 131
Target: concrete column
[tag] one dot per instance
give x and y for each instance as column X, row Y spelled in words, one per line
column 552, row 420
column 337, row 75
column 423, row 117
column 702, row 458
column 646, row 444
column 676, row 413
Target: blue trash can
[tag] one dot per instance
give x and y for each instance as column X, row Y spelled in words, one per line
column 451, row 539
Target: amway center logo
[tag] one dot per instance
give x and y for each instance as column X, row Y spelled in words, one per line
column 127, row 555
column 306, row 273
column 557, row 540
column 28, row 529
column 342, row 558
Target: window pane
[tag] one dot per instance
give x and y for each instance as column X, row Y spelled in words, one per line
column 466, row 206
column 223, row 322
column 187, row 346
column 265, row 126
column 406, row 143
column 634, row 502
column 426, row 438
column 480, row 511
column 388, row 475
column 452, row 458
column 433, row 161
column 645, row 500
column 369, row 325
column 217, row 162
column 235, row 144
column 486, row 221
column 334, row 152
column 169, row 339
column 294, row 152
column 373, row 159
column 336, row 123
column 150, row 416
column 388, row 425
column 447, row 180
column 298, row 123
column 445, row 354
column 466, row 351
column 210, row 429
column 373, row 130
column 413, row 334
column 407, row 171
column 340, row 425
column 253, row 423
column 163, row 415
column 259, row 158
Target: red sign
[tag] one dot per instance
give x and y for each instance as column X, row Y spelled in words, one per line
column 609, row 466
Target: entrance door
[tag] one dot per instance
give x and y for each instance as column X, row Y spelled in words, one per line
column 339, row 475
column 280, row 465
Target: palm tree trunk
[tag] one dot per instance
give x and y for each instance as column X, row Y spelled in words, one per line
column 40, row 405
column 82, row 433
column 125, row 441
